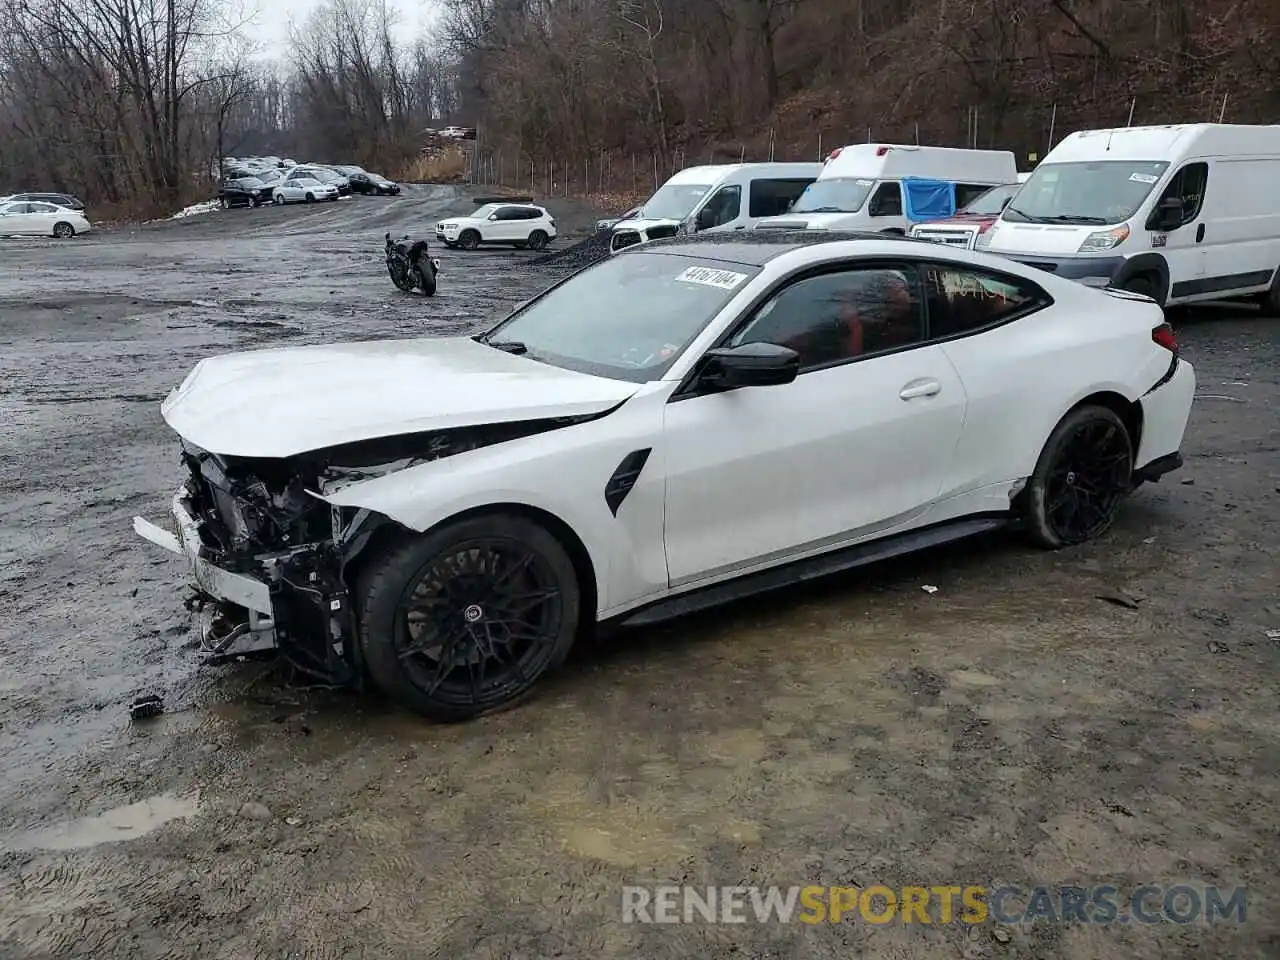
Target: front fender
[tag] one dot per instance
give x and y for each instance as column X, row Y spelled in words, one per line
column 562, row 472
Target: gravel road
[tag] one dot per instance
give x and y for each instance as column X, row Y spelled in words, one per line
column 1010, row 727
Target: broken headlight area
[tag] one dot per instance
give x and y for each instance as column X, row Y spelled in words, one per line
column 265, row 519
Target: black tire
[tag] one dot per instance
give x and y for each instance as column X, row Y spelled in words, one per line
column 465, row 571
column 451, row 244
column 538, row 239
column 310, row 198
column 1143, row 284
column 63, row 230
column 1083, row 475
column 224, row 203
column 427, row 281
column 469, row 240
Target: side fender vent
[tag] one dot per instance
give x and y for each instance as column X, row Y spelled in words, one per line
column 624, row 478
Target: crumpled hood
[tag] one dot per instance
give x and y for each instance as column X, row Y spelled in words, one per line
column 282, row 402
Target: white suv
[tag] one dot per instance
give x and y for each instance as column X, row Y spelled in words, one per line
column 518, row 224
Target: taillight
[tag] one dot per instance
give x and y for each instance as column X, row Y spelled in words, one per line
column 1163, row 336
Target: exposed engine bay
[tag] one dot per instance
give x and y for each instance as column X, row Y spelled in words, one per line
column 265, row 519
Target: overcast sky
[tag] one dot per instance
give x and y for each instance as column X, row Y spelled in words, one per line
column 269, row 26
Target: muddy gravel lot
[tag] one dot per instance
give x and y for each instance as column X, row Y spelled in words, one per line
column 1010, row 727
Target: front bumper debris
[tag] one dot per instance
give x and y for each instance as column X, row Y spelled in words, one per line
column 295, row 603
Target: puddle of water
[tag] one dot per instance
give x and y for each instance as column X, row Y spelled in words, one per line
column 122, row 823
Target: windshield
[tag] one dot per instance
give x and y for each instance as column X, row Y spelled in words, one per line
column 306, row 182
column 1098, row 191
column 992, row 202
column 656, row 304
column 674, row 201
column 834, row 195
column 483, row 212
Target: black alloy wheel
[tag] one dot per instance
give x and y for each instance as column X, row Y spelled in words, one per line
column 1084, row 474
column 465, row 620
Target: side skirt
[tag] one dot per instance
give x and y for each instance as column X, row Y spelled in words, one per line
column 848, row 558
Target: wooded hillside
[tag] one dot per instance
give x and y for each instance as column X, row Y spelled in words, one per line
column 129, row 102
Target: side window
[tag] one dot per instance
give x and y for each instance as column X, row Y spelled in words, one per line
column 966, row 193
column 722, row 208
column 1188, row 186
column 962, row 300
column 771, row 198
column 530, row 213
column 887, row 200
column 841, row 316
column 41, row 208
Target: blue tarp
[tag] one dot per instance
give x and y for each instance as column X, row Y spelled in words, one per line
column 928, row 199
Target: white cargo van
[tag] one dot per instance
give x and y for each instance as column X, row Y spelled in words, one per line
column 724, row 197
column 889, row 187
column 1180, row 213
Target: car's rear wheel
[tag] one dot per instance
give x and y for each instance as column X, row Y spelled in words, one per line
column 538, row 239
column 63, row 230
column 466, row 619
column 1083, row 475
column 469, row 240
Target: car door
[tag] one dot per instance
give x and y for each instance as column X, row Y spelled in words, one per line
column 885, row 207
column 40, row 218
column 859, row 443
column 11, row 218
column 20, row 221
column 1182, row 245
column 508, row 224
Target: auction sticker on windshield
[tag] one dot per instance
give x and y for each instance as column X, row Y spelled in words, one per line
column 1142, row 178
column 724, row 279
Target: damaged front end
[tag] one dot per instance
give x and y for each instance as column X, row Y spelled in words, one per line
column 273, row 561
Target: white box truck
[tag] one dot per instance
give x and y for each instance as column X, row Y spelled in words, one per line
column 889, row 187
column 1181, row 213
column 722, row 197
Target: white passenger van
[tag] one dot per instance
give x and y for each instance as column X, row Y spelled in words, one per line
column 724, row 197
column 889, row 187
column 1180, row 213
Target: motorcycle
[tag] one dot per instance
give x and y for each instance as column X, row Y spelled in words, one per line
column 410, row 266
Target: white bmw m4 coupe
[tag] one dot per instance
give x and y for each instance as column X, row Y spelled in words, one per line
column 670, row 428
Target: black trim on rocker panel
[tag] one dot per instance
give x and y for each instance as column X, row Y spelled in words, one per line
column 1234, row 281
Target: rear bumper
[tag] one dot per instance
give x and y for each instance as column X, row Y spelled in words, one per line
column 1158, row 467
column 1165, row 412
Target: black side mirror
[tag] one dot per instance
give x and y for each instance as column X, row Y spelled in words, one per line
column 706, row 218
column 1169, row 213
column 750, row 365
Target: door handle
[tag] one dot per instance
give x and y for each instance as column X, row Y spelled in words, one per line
column 1199, row 233
column 920, row 388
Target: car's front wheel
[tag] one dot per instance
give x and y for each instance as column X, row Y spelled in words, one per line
column 469, row 240
column 278, row 199
column 465, row 619
column 1083, row 475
